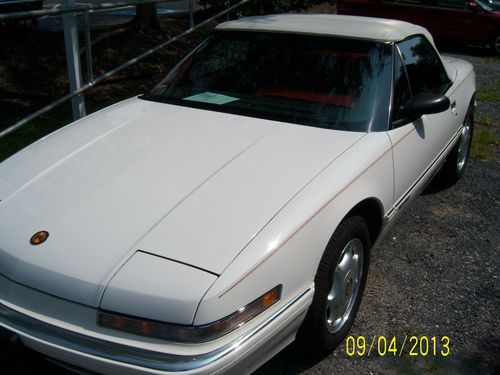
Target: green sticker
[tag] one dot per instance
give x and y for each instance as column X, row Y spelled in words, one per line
column 212, row 98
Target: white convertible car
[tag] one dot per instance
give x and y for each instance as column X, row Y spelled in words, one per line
column 204, row 226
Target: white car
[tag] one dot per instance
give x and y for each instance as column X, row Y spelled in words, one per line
column 204, row 226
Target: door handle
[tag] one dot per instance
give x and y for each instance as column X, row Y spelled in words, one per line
column 453, row 107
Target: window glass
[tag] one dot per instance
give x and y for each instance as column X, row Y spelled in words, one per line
column 326, row 82
column 489, row 5
column 425, row 71
column 402, row 93
column 452, row 3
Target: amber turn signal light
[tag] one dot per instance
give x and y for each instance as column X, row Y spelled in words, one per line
column 189, row 334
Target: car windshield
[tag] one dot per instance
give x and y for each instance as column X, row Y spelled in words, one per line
column 489, row 5
column 326, row 82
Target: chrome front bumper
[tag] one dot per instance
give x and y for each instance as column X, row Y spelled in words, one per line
column 253, row 348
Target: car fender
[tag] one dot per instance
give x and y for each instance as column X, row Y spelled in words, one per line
column 288, row 249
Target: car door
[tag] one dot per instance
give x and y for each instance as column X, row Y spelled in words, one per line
column 414, row 11
column 419, row 12
column 367, row 8
column 417, row 143
column 456, row 21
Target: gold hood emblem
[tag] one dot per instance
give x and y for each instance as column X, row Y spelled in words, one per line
column 39, row 237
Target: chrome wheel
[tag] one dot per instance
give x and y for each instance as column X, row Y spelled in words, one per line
column 464, row 144
column 345, row 286
column 339, row 284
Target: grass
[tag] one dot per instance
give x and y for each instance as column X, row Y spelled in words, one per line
column 492, row 59
column 484, row 143
column 489, row 93
column 38, row 128
column 486, row 139
column 26, row 135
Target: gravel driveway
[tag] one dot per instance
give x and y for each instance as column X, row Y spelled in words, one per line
column 435, row 274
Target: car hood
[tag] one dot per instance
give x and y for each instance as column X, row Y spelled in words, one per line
column 184, row 184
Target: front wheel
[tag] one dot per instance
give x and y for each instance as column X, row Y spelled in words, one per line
column 339, row 285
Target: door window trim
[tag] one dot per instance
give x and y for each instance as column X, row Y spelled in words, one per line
column 398, row 123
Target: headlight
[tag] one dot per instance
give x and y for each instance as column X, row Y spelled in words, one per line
column 189, row 334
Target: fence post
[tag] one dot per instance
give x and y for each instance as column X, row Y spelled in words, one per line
column 73, row 59
column 191, row 16
column 88, row 47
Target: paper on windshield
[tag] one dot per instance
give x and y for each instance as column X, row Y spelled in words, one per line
column 212, row 98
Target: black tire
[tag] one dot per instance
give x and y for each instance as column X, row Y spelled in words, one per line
column 318, row 335
column 454, row 166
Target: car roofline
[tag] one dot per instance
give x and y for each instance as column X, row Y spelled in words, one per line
column 379, row 29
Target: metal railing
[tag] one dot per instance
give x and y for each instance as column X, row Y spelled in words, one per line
column 73, row 55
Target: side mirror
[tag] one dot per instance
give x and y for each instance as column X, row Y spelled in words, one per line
column 425, row 104
column 472, row 6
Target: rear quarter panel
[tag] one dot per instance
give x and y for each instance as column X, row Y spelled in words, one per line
column 464, row 85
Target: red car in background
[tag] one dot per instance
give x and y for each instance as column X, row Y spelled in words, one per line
column 475, row 22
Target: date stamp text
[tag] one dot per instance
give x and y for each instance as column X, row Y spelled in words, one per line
column 421, row 346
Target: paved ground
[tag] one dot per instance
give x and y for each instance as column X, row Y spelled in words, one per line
column 435, row 274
